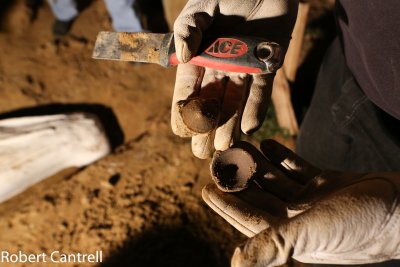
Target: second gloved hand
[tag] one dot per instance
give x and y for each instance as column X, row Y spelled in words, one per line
column 236, row 102
column 296, row 210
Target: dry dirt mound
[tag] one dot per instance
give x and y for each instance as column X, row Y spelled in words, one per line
column 140, row 205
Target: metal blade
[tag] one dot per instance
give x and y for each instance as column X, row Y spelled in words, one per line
column 137, row 47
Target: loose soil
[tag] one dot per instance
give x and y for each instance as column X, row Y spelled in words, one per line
column 141, row 205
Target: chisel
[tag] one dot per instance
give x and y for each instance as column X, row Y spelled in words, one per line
column 241, row 54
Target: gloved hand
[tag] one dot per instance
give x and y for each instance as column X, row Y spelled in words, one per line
column 311, row 215
column 241, row 99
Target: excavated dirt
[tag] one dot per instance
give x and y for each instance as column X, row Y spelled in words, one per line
column 140, row 205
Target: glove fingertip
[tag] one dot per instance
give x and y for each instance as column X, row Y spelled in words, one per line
column 237, row 258
column 183, row 53
column 202, row 145
column 187, row 43
column 200, row 154
column 250, row 126
column 200, row 151
column 206, row 191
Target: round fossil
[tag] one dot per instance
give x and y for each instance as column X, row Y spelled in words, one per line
column 232, row 169
column 200, row 115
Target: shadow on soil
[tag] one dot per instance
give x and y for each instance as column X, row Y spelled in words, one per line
column 105, row 115
column 168, row 247
column 5, row 7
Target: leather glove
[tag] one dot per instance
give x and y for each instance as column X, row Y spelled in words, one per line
column 242, row 99
column 296, row 210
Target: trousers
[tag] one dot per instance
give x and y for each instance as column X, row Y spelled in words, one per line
column 124, row 17
column 343, row 130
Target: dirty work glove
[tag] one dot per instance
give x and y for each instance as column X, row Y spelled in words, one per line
column 241, row 99
column 311, row 215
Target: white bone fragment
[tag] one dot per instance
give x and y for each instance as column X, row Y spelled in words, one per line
column 34, row 148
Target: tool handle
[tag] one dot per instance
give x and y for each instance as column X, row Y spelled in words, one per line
column 236, row 54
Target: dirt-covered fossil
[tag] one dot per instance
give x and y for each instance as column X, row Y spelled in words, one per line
column 233, row 169
column 200, row 115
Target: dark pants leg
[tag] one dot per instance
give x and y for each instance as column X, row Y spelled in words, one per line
column 343, row 130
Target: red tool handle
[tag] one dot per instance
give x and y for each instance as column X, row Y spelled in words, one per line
column 236, row 54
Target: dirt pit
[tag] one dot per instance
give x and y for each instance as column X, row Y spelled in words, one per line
column 141, row 205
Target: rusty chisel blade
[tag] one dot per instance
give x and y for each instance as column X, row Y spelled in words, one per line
column 137, row 47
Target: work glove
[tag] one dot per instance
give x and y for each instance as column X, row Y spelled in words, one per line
column 297, row 210
column 235, row 101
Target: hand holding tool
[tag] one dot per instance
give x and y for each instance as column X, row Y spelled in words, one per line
column 240, row 99
column 234, row 48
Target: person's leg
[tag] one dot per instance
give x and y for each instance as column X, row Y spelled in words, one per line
column 317, row 126
column 345, row 131
column 64, row 10
column 124, row 17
